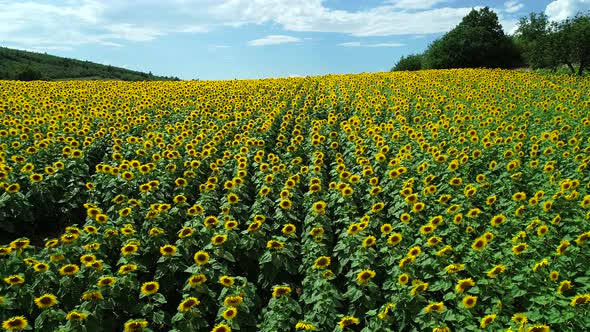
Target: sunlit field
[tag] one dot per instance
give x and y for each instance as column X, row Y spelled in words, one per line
column 451, row 200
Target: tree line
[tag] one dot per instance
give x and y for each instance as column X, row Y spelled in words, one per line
column 29, row 66
column 479, row 41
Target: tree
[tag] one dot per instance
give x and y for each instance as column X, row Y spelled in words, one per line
column 532, row 38
column 409, row 62
column 29, row 74
column 575, row 35
column 478, row 41
column 552, row 44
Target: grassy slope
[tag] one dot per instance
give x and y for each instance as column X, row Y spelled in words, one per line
column 14, row 62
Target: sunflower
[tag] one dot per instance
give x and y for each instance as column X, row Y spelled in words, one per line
column 45, row 301
column 279, row 291
column 304, row 326
column 347, row 321
column 564, row 287
column 547, row 205
column 469, row 301
column 405, row 217
column 319, row 207
column 150, row 287
column 496, row 270
column 221, row 328
column 186, row 232
column 17, row 323
column 542, row 230
column 106, row 281
column 136, row 325
column 386, row 228
column 20, row 244
column 226, row 281
column 418, row 207
column 264, row 191
column 197, row 279
column 285, row 204
column 168, row 250
column 369, row 241
column 487, row 320
column 438, row 307
column 188, row 303
column 455, row 182
column 201, row 258
column 538, row 328
column 254, row 226
column 554, row 275
column 129, row 249
column 377, row 207
column 434, row 240
column 464, row 284
column 92, row 296
column 519, row 248
column 454, row 268
column 12, row 188
column 233, row 301
column 69, row 270
column 473, row 213
column 233, row 198
column 314, row 188
column 230, row 313
column 288, row 229
column 403, row 279
column 519, row 318
column 275, row 245
column 322, row 262
column 497, row 220
column 479, row 244
column 580, row 299
column 347, row 191
column 76, row 316
column 414, row 252
column 365, row 276
column 128, row 268
column 441, row 329
column 41, row 267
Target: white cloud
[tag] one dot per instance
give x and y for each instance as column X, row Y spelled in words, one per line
column 41, row 23
column 359, row 44
column 415, row 4
column 512, row 6
column 561, row 9
column 273, row 40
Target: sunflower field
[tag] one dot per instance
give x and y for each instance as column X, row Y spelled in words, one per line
column 444, row 200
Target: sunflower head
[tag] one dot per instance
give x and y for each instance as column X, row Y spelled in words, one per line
column 45, row 301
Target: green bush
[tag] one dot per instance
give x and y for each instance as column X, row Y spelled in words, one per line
column 409, row 62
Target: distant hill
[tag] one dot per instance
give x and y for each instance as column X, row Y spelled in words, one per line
column 27, row 66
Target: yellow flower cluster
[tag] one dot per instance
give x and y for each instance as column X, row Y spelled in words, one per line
column 438, row 200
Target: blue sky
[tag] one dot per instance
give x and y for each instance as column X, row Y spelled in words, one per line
column 228, row 39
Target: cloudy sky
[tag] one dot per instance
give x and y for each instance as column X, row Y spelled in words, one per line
column 227, row 39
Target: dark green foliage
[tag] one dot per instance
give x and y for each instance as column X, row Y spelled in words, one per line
column 29, row 75
column 478, row 41
column 26, row 66
column 410, row 62
column 574, row 34
column 552, row 44
column 532, row 39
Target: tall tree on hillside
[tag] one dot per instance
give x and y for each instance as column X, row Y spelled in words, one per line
column 478, row 41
